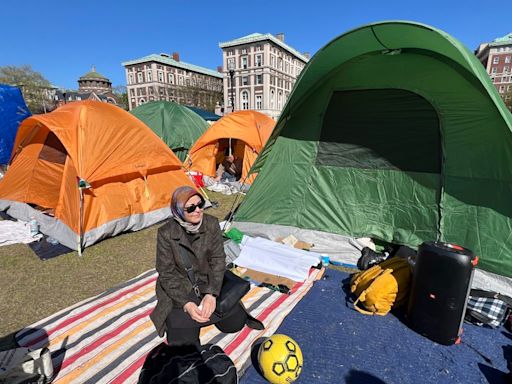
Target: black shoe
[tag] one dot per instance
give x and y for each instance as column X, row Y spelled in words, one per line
column 369, row 258
column 253, row 323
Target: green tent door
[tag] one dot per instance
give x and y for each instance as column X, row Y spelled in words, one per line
column 391, row 137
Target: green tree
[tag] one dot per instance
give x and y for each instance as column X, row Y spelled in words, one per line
column 121, row 96
column 33, row 85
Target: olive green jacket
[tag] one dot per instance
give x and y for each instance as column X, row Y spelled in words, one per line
column 206, row 253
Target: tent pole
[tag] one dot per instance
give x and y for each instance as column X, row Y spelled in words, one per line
column 80, row 236
column 231, row 210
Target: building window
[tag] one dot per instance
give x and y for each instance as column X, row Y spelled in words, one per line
column 493, row 70
column 244, row 51
column 244, row 62
column 245, row 80
column 259, row 102
column 160, row 77
column 132, row 92
column 259, row 79
column 259, row 60
column 130, row 78
column 272, row 61
column 149, row 74
column 180, row 80
column 231, row 63
column 502, row 88
column 245, row 100
column 496, row 60
column 507, row 59
column 272, row 94
column 506, row 69
column 139, row 77
column 279, row 100
column 142, row 101
column 171, row 78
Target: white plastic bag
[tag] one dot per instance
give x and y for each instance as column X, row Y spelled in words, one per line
column 22, row 365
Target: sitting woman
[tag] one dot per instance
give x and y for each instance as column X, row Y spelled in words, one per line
column 230, row 169
column 179, row 312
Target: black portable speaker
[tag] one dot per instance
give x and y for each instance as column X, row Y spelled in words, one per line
column 439, row 291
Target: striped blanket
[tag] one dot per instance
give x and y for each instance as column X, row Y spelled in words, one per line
column 105, row 339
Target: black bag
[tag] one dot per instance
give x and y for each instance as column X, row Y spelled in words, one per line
column 232, row 291
column 188, row 364
column 487, row 308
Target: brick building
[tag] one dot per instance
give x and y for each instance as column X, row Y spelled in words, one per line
column 496, row 57
column 91, row 86
column 162, row 77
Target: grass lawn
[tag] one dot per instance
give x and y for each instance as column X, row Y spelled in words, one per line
column 31, row 289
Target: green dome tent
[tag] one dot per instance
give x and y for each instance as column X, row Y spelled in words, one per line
column 395, row 131
column 176, row 125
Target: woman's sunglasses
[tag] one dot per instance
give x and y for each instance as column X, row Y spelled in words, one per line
column 193, row 207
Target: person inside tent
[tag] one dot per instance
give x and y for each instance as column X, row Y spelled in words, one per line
column 230, row 168
column 179, row 312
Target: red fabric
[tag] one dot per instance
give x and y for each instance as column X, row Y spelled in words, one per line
column 197, row 179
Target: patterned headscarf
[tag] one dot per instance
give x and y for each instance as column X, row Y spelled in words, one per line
column 179, row 198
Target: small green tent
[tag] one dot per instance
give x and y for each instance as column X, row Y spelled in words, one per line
column 175, row 124
column 395, row 131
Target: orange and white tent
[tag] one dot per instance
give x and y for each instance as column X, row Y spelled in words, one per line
column 87, row 171
column 245, row 131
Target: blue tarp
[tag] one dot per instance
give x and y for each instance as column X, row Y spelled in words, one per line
column 13, row 111
column 341, row 345
column 207, row 115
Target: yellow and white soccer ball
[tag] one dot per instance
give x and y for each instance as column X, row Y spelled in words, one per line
column 280, row 359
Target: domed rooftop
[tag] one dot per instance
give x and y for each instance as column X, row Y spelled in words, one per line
column 93, row 75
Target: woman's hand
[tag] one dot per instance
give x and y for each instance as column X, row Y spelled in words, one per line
column 209, row 303
column 195, row 313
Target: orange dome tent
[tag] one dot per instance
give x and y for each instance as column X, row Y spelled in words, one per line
column 93, row 170
column 246, row 131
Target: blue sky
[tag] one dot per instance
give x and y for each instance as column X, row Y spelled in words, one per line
column 62, row 39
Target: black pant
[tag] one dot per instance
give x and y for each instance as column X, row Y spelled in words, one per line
column 183, row 330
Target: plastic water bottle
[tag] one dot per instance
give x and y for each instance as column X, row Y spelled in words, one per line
column 34, row 226
column 52, row 240
column 46, row 364
column 325, row 260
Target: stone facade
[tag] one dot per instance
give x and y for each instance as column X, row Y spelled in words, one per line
column 264, row 71
column 162, row 77
column 496, row 57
